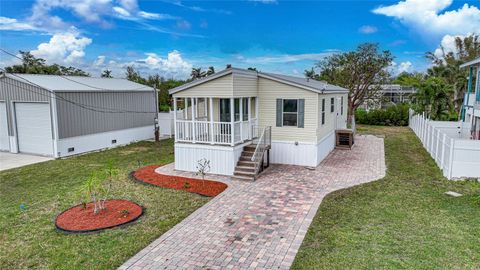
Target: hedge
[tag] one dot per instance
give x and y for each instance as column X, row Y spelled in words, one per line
column 392, row 116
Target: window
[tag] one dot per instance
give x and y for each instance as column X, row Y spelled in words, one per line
column 224, row 110
column 290, row 112
column 236, row 103
column 323, row 111
column 332, row 105
column 341, row 106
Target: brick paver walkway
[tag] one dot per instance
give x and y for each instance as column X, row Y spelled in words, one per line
column 260, row 225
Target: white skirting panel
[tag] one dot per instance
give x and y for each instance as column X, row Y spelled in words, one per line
column 303, row 154
column 223, row 159
column 82, row 144
column 325, row 146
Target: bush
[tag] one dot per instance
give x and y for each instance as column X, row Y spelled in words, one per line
column 392, row 116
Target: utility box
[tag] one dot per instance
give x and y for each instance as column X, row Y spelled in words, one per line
column 344, row 139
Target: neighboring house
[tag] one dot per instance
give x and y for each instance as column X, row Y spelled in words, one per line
column 60, row 116
column 293, row 121
column 471, row 106
column 390, row 94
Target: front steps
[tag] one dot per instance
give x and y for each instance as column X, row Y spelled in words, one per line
column 245, row 169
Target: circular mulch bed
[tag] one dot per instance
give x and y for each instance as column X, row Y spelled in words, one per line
column 78, row 219
column 206, row 188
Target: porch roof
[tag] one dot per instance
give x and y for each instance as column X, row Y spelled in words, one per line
column 304, row 83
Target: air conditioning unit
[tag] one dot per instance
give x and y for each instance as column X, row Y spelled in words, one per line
column 344, row 139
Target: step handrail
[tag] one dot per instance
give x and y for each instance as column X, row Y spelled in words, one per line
column 262, row 145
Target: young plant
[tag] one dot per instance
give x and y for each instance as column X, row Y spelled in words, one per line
column 111, row 175
column 91, row 188
column 186, row 185
column 124, row 212
column 203, row 167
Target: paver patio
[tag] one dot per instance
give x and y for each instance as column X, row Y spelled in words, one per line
column 260, row 225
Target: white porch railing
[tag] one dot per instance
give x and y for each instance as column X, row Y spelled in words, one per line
column 215, row 132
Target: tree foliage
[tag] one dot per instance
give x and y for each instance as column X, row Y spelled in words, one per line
column 362, row 72
column 33, row 65
column 197, row 73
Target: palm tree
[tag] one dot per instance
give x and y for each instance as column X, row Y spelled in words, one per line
column 447, row 65
column 433, row 97
column 309, row 73
column 107, row 74
column 196, row 73
column 210, row 71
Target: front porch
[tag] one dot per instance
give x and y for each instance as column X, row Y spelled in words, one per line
column 216, row 121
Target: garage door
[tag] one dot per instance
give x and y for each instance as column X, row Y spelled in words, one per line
column 4, row 141
column 34, row 129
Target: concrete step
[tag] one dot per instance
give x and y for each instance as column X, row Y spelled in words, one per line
column 244, row 173
column 245, row 163
column 250, row 168
column 243, row 178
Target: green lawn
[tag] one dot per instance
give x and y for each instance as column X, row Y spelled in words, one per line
column 403, row 221
column 28, row 238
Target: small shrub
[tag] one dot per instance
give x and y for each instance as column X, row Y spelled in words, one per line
column 186, row 185
column 392, row 116
column 124, row 212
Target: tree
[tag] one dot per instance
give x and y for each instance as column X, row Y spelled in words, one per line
column 134, row 76
column 196, row 73
column 362, row 72
column 107, row 74
column 310, row 73
column 252, row 68
column 446, row 65
column 33, row 65
column 433, row 97
column 210, row 71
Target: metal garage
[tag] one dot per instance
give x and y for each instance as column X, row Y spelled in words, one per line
column 60, row 116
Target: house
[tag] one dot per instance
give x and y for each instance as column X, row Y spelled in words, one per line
column 390, row 94
column 470, row 113
column 60, row 116
column 239, row 119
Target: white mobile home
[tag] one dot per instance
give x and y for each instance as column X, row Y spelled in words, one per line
column 60, row 116
column 235, row 118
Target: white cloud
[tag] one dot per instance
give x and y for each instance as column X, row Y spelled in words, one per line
column 368, row 29
column 63, row 48
column 15, row 25
column 121, row 11
column 426, row 16
column 99, row 61
column 156, row 16
column 183, row 24
column 396, row 69
column 172, row 66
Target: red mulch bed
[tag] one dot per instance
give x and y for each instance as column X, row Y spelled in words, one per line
column 206, row 188
column 78, row 219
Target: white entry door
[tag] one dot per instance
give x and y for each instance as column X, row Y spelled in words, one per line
column 339, row 118
column 4, row 140
column 34, row 128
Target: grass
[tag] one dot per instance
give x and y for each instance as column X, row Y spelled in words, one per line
column 403, row 221
column 28, row 238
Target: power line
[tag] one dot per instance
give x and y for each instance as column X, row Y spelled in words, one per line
column 84, row 106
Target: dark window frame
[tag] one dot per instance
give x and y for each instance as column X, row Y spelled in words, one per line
column 290, row 113
column 323, row 111
column 332, row 105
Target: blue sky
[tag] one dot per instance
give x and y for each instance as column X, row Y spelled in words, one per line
column 171, row 37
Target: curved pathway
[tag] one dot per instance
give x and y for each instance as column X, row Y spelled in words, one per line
column 260, row 225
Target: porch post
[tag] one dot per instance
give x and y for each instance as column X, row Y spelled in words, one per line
column 193, row 120
column 196, row 108
column 256, row 110
column 175, row 117
column 211, row 120
column 241, row 119
column 249, row 105
column 185, row 109
column 205, row 112
column 232, row 120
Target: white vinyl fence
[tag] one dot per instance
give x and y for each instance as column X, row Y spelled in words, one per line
column 456, row 156
column 165, row 121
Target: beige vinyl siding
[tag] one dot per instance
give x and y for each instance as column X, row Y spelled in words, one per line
column 220, row 87
column 268, row 92
column 244, row 86
column 330, row 117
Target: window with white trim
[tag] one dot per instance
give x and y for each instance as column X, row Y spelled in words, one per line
column 341, row 106
column 332, row 105
column 290, row 112
column 323, row 111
